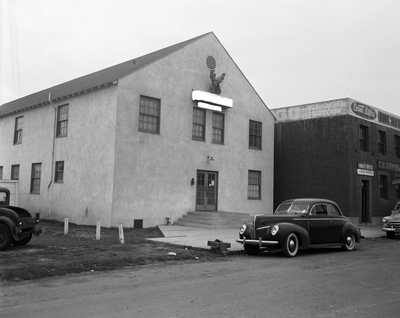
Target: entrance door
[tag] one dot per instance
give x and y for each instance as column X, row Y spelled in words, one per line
column 206, row 191
column 364, row 201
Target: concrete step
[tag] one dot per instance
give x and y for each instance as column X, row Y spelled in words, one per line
column 214, row 220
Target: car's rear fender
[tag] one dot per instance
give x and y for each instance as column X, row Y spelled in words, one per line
column 352, row 228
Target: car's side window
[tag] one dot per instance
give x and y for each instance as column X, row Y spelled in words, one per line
column 319, row 209
column 333, row 210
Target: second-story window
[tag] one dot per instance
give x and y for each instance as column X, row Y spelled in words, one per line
column 363, row 136
column 18, row 130
column 255, row 135
column 62, row 121
column 382, row 142
column 218, row 128
column 149, row 115
column 15, row 172
column 397, row 146
column 199, row 124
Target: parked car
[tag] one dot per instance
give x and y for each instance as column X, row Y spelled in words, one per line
column 16, row 224
column 300, row 223
column 391, row 224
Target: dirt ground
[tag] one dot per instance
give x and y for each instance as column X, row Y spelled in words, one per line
column 54, row 254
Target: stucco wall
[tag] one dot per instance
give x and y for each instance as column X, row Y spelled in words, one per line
column 88, row 154
column 153, row 171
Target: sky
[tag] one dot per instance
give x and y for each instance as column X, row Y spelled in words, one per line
column 291, row 51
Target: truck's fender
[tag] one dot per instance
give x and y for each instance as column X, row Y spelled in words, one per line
column 11, row 219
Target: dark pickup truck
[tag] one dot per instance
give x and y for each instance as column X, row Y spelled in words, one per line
column 16, row 224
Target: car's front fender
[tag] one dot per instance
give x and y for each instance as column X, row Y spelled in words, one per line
column 285, row 229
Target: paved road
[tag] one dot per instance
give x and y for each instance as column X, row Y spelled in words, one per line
column 321, row 283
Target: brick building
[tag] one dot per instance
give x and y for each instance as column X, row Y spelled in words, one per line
column 342, row 150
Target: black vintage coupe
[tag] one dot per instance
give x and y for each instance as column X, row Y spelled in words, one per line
column 300, row 223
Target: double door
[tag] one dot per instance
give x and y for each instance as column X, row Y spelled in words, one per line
column 206, row 191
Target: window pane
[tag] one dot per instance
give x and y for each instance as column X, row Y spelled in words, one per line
column 15, row 172
column 255, row 135
column 149, row 114
column 62, row 121
column 36, row 174
column 254, row 185
column 59, row 177
column 218, row 128
column 18, row 130
column 198, row 127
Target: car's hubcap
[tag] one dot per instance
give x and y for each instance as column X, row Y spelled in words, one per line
column 292, row 245
column 2, row 237
column 349, row 241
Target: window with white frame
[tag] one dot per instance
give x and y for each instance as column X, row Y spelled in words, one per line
column 18, row 130
column 35, row 177
column 15, row 172
column 255, row 135
column 149, row 115
column 218, row 128
column 62, row 120
column 254, row 185
column 59, row 173
column 199, row 124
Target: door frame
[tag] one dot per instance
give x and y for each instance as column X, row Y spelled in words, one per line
column 365, row 201
column 216, row 189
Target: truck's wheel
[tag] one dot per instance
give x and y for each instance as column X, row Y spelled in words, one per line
column 24, row 241
column 5, row 237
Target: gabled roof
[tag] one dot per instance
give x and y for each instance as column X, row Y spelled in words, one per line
column 89, row 82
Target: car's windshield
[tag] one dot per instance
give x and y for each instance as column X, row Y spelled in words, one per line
column 292, row 208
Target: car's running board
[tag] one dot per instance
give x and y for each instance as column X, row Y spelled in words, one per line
column 326, row 245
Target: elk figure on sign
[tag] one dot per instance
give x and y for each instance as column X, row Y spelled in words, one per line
column 215, row 81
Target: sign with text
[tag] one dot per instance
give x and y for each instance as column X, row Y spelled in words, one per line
column 389, row 166
column 365, row 172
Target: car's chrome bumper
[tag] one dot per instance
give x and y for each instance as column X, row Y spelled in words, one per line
column 259, row 242
column 391, row 229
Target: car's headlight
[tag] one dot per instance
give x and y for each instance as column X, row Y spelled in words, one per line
column 274, row 229
column 242, row 229
column 385, row 219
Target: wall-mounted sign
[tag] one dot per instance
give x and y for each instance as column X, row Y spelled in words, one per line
column 212, row 99
column 389, row 166
column 365, row 166
column 396, row 181
column 363, row 111
column 365, row 172
column 209, row 106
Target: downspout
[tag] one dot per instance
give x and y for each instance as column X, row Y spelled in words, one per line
column 54, row 141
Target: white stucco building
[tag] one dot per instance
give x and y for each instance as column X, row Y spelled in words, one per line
column 142, row 140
